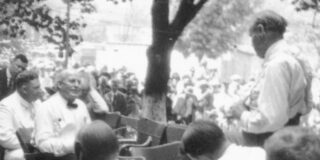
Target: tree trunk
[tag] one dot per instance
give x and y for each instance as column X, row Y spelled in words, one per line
column 164, row 37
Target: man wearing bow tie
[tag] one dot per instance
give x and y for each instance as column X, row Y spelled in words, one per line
column 17, row 112
column 61, row 116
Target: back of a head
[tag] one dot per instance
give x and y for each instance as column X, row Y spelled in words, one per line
column 96, row 141
column 293, row 143
column 202, row 138
column 21, row 57
column 270, row 21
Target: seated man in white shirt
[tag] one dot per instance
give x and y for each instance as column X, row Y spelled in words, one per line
column 61, row 116
column 17, row 112
column 96, row 141
column 204, row 140
column 293, row 143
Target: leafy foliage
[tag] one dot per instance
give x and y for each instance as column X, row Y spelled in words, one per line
column 217, row 28
column 306, row 4
column 14, row 14
column 117, row 1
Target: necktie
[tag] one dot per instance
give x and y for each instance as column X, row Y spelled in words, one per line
column 72, row 105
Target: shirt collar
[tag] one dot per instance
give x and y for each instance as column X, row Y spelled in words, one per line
column 271, row 51
column 23, row 102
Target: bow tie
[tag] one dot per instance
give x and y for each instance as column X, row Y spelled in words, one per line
column 72, row 105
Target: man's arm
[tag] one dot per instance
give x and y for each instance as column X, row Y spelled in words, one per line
column 8, row 138
column 271, row 113
column 98, row 100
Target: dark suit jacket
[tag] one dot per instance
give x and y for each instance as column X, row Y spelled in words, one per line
column 4, row 88
column 119, row 103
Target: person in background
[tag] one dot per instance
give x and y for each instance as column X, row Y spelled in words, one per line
column 61, row 116
column 293, row 143
column 134, row 101
column 7, row 75
column 103, row 83
column 204, row 140
column 17, row 112
column 96, row 141
column 116, row 100
column 282, row 92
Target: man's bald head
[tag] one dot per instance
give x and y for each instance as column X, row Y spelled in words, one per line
column 96, row 141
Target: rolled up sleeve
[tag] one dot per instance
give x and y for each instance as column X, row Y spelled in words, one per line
column 8, row 138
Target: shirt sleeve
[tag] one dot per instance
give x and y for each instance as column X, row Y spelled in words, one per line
column 98, row 100
column 8, row 138
column 46, row 138
column 272, row 111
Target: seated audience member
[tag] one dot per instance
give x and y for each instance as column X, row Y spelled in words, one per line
column 17, row 112
column 116, row 100
column 204, row 140
column 96, row 141
column 91, row 97
column 293, row 143
column 61, row 116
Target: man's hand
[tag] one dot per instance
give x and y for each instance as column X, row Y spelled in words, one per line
column 235, row 111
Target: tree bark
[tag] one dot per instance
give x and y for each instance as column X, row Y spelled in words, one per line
column 164, row 37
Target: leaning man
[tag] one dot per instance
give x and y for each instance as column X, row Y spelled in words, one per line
column 60, row 117
column 282, row 92
column 17, row 112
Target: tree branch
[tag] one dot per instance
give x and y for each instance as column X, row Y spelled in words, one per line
column 187, row 11
column 160, row 18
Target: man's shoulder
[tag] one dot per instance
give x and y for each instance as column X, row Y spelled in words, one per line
column 251, row 153
column 51, row 100
column 283, row 60
column 10, row 100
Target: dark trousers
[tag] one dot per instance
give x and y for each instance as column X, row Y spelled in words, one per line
column 253, row 139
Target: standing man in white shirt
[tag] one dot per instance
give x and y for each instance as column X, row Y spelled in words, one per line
column 282, row 92
column 17, row 112
column 60, row 117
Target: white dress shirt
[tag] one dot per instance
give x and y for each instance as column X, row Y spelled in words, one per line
column 57, row 125
column 15, row 113
column 98, row 100
column 281, row 91
column 235, row 152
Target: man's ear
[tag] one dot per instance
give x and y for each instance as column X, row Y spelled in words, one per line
column 23, row 89
column 260, row 29
column 58, row 86
column 78, row 151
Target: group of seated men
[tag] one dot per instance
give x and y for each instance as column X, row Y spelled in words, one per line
column 204, row 140
column 61, row 125
column 52, row 124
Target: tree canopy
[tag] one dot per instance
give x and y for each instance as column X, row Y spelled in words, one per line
column 16, row 14
column 217, row 28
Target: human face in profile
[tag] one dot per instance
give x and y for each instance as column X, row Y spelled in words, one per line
column 33, row 90
column 17, row 66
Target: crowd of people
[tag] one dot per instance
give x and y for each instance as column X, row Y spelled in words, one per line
column 244, row 119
